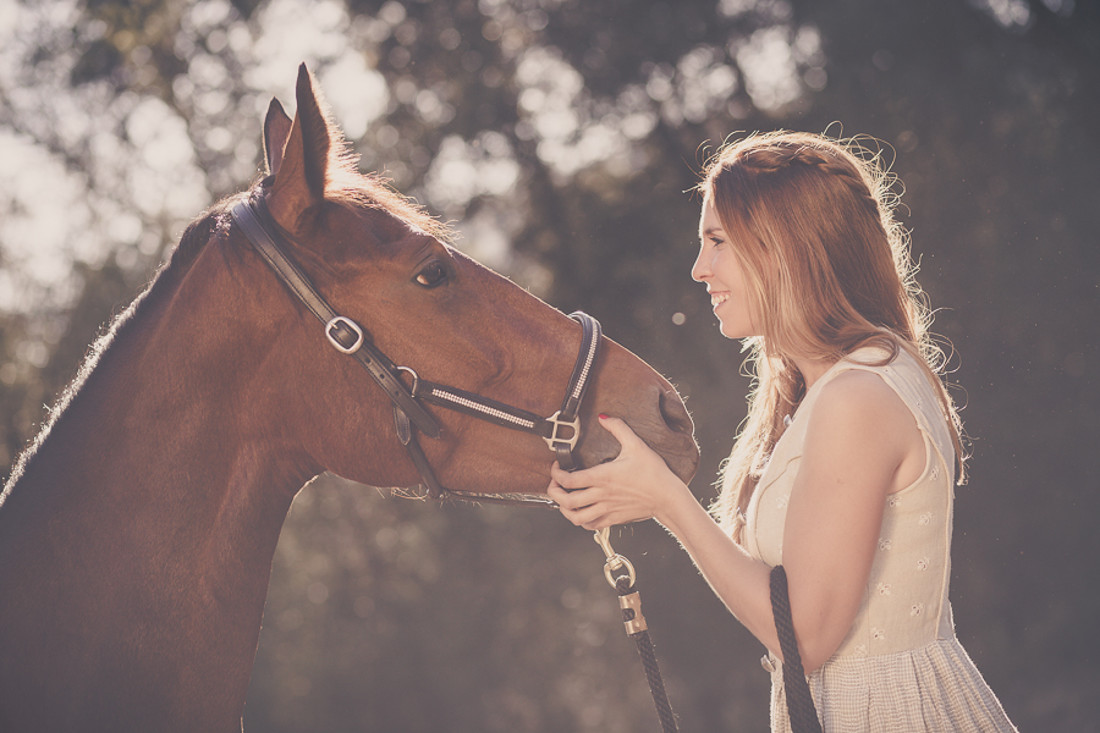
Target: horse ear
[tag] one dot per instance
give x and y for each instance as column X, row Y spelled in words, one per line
column 303, row 167
column 276, row 132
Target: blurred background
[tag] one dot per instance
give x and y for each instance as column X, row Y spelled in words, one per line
column 560, row 136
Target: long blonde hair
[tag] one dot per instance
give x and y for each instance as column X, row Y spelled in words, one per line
column 829, row 268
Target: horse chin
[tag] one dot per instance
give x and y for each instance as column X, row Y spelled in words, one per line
column 683, row 462
column 508, row 480
column 680, row 452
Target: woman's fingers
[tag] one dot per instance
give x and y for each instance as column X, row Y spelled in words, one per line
column 622, row 432
column 631, row 446
column 567, row 499
column 592, row 516
column 610, row 493
column 581, row 479
column 583, row 507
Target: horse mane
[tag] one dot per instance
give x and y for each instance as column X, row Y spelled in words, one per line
column 197, row 234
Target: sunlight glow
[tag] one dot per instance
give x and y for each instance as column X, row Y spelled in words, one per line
column 705, row 83
column 38, row 240
column 358, row 94
column 1011, row 14
column 575, row 130
column 169, row 181
column 462, row 171
column 484, row 239
column 164, row 161
column 292, row 32
column 771, row 72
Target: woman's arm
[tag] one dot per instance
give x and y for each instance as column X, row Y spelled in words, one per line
column 860, row 435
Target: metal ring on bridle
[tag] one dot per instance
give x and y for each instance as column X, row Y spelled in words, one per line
column 416, row 378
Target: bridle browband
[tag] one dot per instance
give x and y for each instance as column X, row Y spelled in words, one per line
column 561, row 431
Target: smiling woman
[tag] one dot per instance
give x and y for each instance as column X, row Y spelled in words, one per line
column 843, row 475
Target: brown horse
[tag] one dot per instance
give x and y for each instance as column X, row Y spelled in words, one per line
column 137, row 533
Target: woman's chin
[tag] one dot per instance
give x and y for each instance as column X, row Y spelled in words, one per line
column 731, row 332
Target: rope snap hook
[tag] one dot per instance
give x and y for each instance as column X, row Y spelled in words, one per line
column 614, row 561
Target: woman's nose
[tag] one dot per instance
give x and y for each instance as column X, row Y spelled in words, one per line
column 701, row 268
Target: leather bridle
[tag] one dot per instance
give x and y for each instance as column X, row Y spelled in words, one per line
column 561, row 431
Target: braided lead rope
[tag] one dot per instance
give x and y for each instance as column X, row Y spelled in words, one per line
column 620, row 575
column 631, row 603
column 800, row 703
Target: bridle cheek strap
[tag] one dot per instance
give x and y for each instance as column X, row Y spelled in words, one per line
column 344, row 334
column 569, row 414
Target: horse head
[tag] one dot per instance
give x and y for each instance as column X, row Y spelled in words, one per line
column 441, row 316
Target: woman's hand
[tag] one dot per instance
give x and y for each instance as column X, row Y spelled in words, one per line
column 637, row 485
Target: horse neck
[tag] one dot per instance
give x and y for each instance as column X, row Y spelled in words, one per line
column 137, row 539
column 155, row 435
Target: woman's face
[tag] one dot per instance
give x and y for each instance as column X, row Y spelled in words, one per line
column 720, row 269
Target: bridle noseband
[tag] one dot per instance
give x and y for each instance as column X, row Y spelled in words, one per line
column 561, row 431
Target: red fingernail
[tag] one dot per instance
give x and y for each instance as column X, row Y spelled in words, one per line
column 603, row 416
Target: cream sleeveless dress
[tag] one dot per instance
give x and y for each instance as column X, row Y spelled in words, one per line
column 900, row 668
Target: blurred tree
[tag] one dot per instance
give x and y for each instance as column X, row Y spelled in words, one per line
column 561, row 136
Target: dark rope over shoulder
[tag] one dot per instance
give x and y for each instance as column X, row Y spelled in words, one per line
column 800, row 703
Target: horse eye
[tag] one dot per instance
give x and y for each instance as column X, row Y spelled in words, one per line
column 431, row 276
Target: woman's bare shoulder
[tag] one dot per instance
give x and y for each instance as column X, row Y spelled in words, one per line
column 858, row 416
column 856, row 393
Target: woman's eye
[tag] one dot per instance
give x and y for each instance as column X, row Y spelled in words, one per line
column 431, row 276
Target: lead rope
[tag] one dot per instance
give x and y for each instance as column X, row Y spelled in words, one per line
column 621, row 576
column 800, row 703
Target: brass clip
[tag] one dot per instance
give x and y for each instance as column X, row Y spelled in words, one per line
column 614, row 561
column 633, row 619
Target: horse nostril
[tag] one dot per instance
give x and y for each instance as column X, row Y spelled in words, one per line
column 674, row 413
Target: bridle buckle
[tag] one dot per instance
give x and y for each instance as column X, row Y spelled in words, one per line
column 555, row 440
column 340, row 326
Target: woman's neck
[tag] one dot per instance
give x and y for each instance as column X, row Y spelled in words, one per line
column 811, row 369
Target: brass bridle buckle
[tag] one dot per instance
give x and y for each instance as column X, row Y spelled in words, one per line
column 555, row 440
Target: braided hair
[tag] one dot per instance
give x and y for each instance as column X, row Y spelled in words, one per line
column 812, row 222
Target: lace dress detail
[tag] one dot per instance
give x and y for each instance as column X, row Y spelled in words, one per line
column 900, row 668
